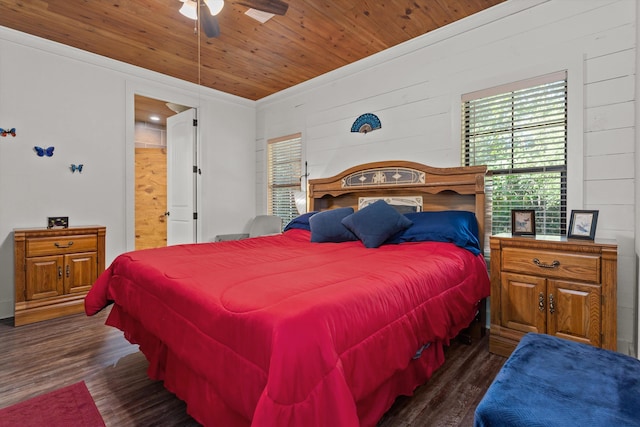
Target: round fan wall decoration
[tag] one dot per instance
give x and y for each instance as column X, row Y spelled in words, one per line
column 366, row 123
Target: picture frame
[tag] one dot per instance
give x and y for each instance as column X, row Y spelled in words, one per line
column 58, row 222
column 523, row 222
column 582, row 224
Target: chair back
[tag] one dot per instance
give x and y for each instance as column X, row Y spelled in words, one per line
column 263, row 225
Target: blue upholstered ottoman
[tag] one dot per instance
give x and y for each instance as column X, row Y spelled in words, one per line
column 548, row 381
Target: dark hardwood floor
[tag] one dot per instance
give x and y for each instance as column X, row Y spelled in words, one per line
column 44, row 356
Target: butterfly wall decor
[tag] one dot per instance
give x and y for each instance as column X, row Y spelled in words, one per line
column 5, row 132
column 44, row 151
column 76, row 168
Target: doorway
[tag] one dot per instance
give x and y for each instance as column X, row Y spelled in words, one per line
column 152, row 143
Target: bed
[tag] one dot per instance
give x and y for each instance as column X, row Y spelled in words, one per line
column 550, row 381
column 298, row 329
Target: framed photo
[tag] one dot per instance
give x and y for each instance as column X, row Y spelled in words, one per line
column 58, row 222
column 582, row 225
column 523, row 222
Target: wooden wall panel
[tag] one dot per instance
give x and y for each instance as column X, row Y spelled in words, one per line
column 151, row 197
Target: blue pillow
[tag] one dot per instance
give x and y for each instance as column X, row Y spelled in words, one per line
column 301, row 222
column 326, row 226
column 457, row 227
column 375, row 223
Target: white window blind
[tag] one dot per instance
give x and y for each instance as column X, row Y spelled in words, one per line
column 520, row 132
column 284, row 158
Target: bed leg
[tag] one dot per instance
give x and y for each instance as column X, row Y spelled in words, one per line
column 478, row 327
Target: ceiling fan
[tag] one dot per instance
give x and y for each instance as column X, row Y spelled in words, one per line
column 209, row 20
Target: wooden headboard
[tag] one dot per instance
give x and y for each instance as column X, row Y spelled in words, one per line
column 457, row 188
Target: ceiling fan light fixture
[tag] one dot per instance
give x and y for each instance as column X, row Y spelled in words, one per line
column 215, row 6
column 190, row 9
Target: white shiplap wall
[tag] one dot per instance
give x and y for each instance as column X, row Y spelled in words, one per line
column 415, row 89
column 82, row 104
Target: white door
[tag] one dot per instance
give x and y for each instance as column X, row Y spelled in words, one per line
column 181, row 178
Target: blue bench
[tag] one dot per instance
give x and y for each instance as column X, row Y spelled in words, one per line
column 548, row 381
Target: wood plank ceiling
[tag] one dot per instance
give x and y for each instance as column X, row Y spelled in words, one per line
column 248, row 59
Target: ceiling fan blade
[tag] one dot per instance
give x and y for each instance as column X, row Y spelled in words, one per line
column 277, row 7
column 210, row 25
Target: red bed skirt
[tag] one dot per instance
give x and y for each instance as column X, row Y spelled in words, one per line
column 209, row 408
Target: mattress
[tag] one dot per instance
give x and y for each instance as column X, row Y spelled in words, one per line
column 280, row 331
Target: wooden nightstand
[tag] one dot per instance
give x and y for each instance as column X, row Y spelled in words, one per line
column 54, row 270
column 552, row 285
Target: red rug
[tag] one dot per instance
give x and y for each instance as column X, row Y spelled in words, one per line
column 65, row 407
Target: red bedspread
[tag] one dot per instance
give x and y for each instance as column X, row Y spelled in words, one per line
column 286, row 332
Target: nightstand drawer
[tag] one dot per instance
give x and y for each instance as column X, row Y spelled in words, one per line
column 60, row 245
column 561, row 265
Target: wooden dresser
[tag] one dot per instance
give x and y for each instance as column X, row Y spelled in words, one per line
column 54, row 270
column 552, row 285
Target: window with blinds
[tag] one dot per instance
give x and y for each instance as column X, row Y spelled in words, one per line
column 284, row 158
column 520, row 132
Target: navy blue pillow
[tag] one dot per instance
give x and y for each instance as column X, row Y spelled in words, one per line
column 375, row 223
column 326, row 226
column 301, row 222
column 457, row 227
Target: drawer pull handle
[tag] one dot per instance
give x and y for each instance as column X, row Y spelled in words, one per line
column 59, row 246
column 552, row 307
column 68, row 270
column 59, row 272
column 554, row 264
column 541, row 302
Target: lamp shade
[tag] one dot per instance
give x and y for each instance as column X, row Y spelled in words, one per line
column 301, row 201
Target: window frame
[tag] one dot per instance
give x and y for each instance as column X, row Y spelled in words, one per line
column 294, row 184
column 502, row 99
column 573, row 64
